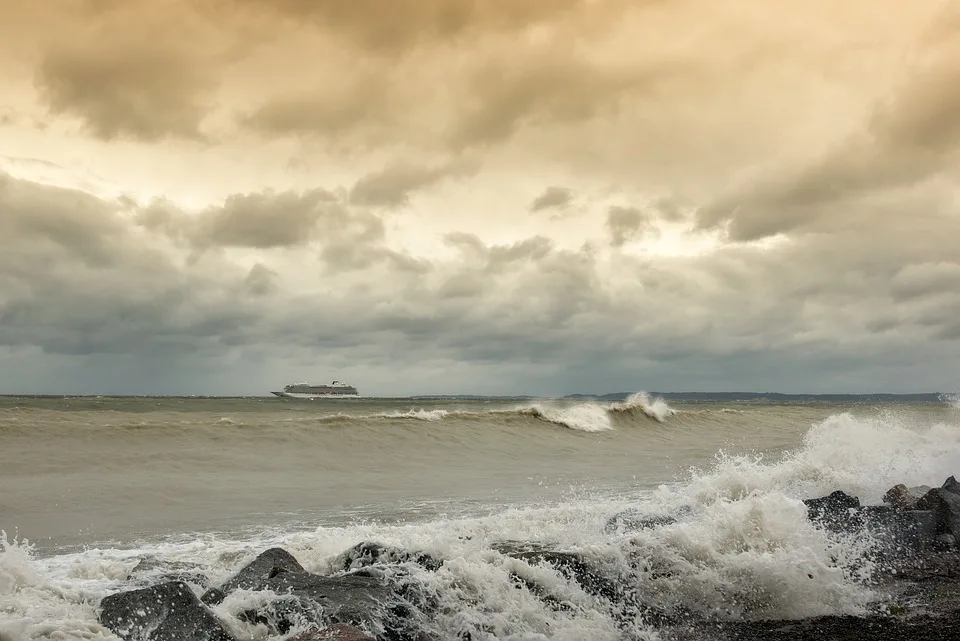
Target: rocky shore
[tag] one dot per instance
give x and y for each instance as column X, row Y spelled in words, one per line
column 375, row 592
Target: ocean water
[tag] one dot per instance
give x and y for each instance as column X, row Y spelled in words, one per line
column 91, row 486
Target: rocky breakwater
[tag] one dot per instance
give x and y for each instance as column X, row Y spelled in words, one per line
column 382, row 593
column 370, row 597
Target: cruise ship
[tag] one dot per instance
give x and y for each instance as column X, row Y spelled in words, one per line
column 306, row 390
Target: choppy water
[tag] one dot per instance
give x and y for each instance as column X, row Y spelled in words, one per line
column 97, row 484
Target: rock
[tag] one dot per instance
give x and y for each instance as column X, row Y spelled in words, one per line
column 837, row 511
column 633, row 520
column 335, row 632
column 902, row 497
column 570, row 564
column 946, row 505
column 830, row 628
column 267, row 565
column 947, row 541
column 351, row 598
column 379, row 599
column 951, row 485
column 213, row 596
column 901, row 533
column 159, row 571
column 165, row 612
column 371, row 553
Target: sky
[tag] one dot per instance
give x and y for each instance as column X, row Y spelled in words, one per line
column 448, row 196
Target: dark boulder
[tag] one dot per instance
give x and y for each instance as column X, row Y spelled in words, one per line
column 573, row 565
column 829, row 628
column 387, row 601
column 165, row 612
column 946, row 505
column 901, row 497
column 951, row 485
column 266, row 566
column 837, row 511
column 152, row 570
column 900, row 534
column 372, row 553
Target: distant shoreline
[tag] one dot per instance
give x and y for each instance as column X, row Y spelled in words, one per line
column 924, row 397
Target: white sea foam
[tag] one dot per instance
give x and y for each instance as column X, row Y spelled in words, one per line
column 416, row 414
column 585, row 417
column 953, row 400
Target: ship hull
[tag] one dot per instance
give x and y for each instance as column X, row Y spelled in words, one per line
column 312, row 396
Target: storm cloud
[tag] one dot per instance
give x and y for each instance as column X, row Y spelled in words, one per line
column 536, row 197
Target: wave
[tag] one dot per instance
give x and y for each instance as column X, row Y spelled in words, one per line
column 582, row 417
column 737, row 545
column 953, row 400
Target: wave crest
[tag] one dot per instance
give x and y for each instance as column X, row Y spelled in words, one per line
column 656, row 409
column 582, row 417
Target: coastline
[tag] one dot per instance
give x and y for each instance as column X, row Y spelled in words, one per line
column 377, row 591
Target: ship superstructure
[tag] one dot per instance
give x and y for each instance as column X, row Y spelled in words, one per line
column 306, row 390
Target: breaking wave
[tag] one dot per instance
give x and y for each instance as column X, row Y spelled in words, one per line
column 583, row 417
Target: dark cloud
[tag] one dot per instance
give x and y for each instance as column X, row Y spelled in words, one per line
column 336, row 112
column 347, row 236
column 404, row 24
column 918, row 280
column 124, row 84
column 627, row 223
column 63, row 221
column 89, row 278
column 552, row 198
column 910, row 138
column 266, row 219
column 261, row 280
column 546, row 87
column 392, row 186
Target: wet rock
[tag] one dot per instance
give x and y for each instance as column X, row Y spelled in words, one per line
column 153, row 570
column 572, row 565
column 830, row 628
column 899, row 533
column 372, row 553
column 837, row 511
column 951, row 485
column 901, row 497
column 213, row 596
column 946, row 505
column 370, row 597
column 166, row 612
column 266, row 566
column 336, row 632
column 946, row 541
column 311, row 598
column 633, row 520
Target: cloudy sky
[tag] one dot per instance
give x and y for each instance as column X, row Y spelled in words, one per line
column 443, row 196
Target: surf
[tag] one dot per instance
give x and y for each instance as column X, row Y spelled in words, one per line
column 729, row 541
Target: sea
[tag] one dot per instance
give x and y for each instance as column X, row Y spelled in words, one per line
column 91, row 486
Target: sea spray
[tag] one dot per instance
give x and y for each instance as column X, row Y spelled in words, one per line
column 863, row 456
column 656, row 409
